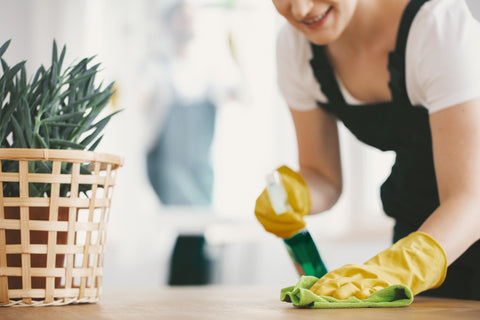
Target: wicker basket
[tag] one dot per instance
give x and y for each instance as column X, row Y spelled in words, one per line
column 52, row 247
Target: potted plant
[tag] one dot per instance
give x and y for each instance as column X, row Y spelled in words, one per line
column 56, row 190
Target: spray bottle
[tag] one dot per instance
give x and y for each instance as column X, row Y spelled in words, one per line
column 300, row 247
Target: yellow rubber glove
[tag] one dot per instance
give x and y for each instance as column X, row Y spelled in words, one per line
column 417, row 261
column 287, row 224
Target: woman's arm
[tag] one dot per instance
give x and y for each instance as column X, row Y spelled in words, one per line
column 456, row 150
column 319, row 156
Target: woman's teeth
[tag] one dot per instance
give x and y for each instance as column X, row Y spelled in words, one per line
column 314, row 20
column 311, row 21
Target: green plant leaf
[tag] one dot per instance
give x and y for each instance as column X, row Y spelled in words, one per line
column 42, row 141
column 4, row 47
column 5, row 66
column 63, row 124
column 6, row 114
column 64, row 144
column 95, row 144
column 62, row 57
column 99, row 128
column 54, row 52
column 63, row 117
column 18, row 133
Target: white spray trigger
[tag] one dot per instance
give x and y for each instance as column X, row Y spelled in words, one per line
column 276, row 193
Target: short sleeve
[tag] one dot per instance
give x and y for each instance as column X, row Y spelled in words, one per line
column 443, row 56
column 294, row 73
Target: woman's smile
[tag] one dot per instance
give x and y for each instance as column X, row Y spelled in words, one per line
column 321, row 21
column 313, row 22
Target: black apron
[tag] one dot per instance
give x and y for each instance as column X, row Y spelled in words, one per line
column 410, row 193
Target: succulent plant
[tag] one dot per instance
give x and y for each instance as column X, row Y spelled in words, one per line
column 58, row 108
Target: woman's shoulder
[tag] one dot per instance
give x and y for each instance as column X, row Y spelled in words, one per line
column 444, row 14
column 292, row 45
column 293, row 53
column 443, row 28
column 439, row 6
column 442, row 55
column 294, row 73
column 442, row 25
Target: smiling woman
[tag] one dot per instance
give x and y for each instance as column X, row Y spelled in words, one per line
column 400, row 78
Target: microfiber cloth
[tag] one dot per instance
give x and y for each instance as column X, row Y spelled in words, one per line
column 393, row 296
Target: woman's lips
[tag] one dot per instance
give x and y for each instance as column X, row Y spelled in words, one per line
column 317, row 21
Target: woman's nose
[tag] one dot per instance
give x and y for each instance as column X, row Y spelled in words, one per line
column 301, row 8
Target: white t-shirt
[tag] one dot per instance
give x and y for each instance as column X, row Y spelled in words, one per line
column 442, row 60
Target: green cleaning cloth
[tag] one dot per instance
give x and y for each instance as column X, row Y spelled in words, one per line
column 393, row 296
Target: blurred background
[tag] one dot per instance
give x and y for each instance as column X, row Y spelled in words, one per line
column 202, row 124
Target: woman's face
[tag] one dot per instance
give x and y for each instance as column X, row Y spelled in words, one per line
column 321, row 21
column 181, row 23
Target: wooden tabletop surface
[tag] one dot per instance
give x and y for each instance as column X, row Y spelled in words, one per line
column 222, row 303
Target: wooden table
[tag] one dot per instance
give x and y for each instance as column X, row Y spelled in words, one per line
column 231, row 303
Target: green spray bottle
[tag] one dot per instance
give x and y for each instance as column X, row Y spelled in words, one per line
column 300, row 247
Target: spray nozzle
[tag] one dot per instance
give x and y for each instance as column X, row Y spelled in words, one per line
column 277, row 194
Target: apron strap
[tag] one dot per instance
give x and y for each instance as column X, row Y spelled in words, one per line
column 325, row 75
column 396, row 59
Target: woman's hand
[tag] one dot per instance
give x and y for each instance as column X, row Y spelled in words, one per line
column 286, row 224
column 416, row 261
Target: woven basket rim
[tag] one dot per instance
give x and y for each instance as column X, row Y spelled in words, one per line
column 59, row 154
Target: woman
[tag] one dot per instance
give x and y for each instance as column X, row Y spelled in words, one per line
column 404, row 76
column 180, row 114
